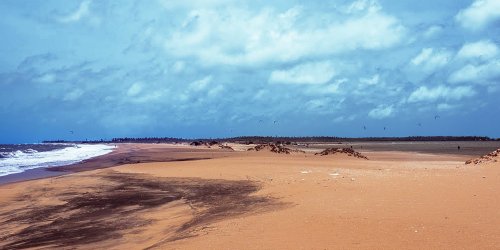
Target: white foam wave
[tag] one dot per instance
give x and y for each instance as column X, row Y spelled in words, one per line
column 19, row 161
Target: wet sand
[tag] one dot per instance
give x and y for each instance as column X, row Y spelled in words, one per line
column 182, row 197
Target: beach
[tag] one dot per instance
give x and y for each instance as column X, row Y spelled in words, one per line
column 177, row 196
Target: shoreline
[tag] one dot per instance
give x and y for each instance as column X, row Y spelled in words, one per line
column 29, row 175
column 125, row 153
column 47, row 172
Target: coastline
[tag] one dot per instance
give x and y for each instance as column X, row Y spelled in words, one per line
column 29, row 175
column 28, row 161
column 124, row 153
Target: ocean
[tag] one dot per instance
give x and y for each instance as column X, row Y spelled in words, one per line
column 17, row 158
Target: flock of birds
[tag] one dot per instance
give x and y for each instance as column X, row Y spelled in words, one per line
column 276, row 122
column 385, row 128
column 364, row 126
column 418, row 124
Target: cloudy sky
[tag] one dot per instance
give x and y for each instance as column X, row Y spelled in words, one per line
column 213, row 68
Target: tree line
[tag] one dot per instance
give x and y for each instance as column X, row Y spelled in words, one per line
column 268, row 139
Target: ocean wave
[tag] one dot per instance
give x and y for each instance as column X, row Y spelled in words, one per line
column 18, row 153
column 22, row 160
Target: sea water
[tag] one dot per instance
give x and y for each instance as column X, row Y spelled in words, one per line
column 17, row 158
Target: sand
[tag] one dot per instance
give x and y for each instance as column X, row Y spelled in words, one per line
column 213, row 199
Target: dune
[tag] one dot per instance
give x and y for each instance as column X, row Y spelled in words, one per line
column 342, row 151
column 488, row 158
column 274, row 148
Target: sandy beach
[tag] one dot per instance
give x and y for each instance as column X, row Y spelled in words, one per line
column 161, row 196
column 215, row 124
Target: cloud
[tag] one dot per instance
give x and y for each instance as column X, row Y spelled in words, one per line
column 200, row 84
column 429, row 59
column 260, row 94
column 178, row 67
column 176, row 4
column 381, row 111
column 323, row 105
column 479, row 14
column 432, row 31
column 46, row 78
column 446, row 107
column 82, row 11
column 484, row 49
column 37, row 62
column 241, row 37
column 317, row 103
column 364, row 5
column 342, row 118
column 307, row 73
column 149, row 97
column 371, row 80
column 73, row 95
column 215, row 91
column 135, row 89
column 480, row 74
column 425, row 94
column 331, row 88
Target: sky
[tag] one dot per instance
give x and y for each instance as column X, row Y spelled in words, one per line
column 78, row 70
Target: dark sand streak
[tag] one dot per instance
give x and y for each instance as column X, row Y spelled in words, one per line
column 107, row 211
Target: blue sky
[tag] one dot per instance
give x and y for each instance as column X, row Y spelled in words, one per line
column 216, row 68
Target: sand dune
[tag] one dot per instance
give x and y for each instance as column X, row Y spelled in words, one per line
column 491, row 157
